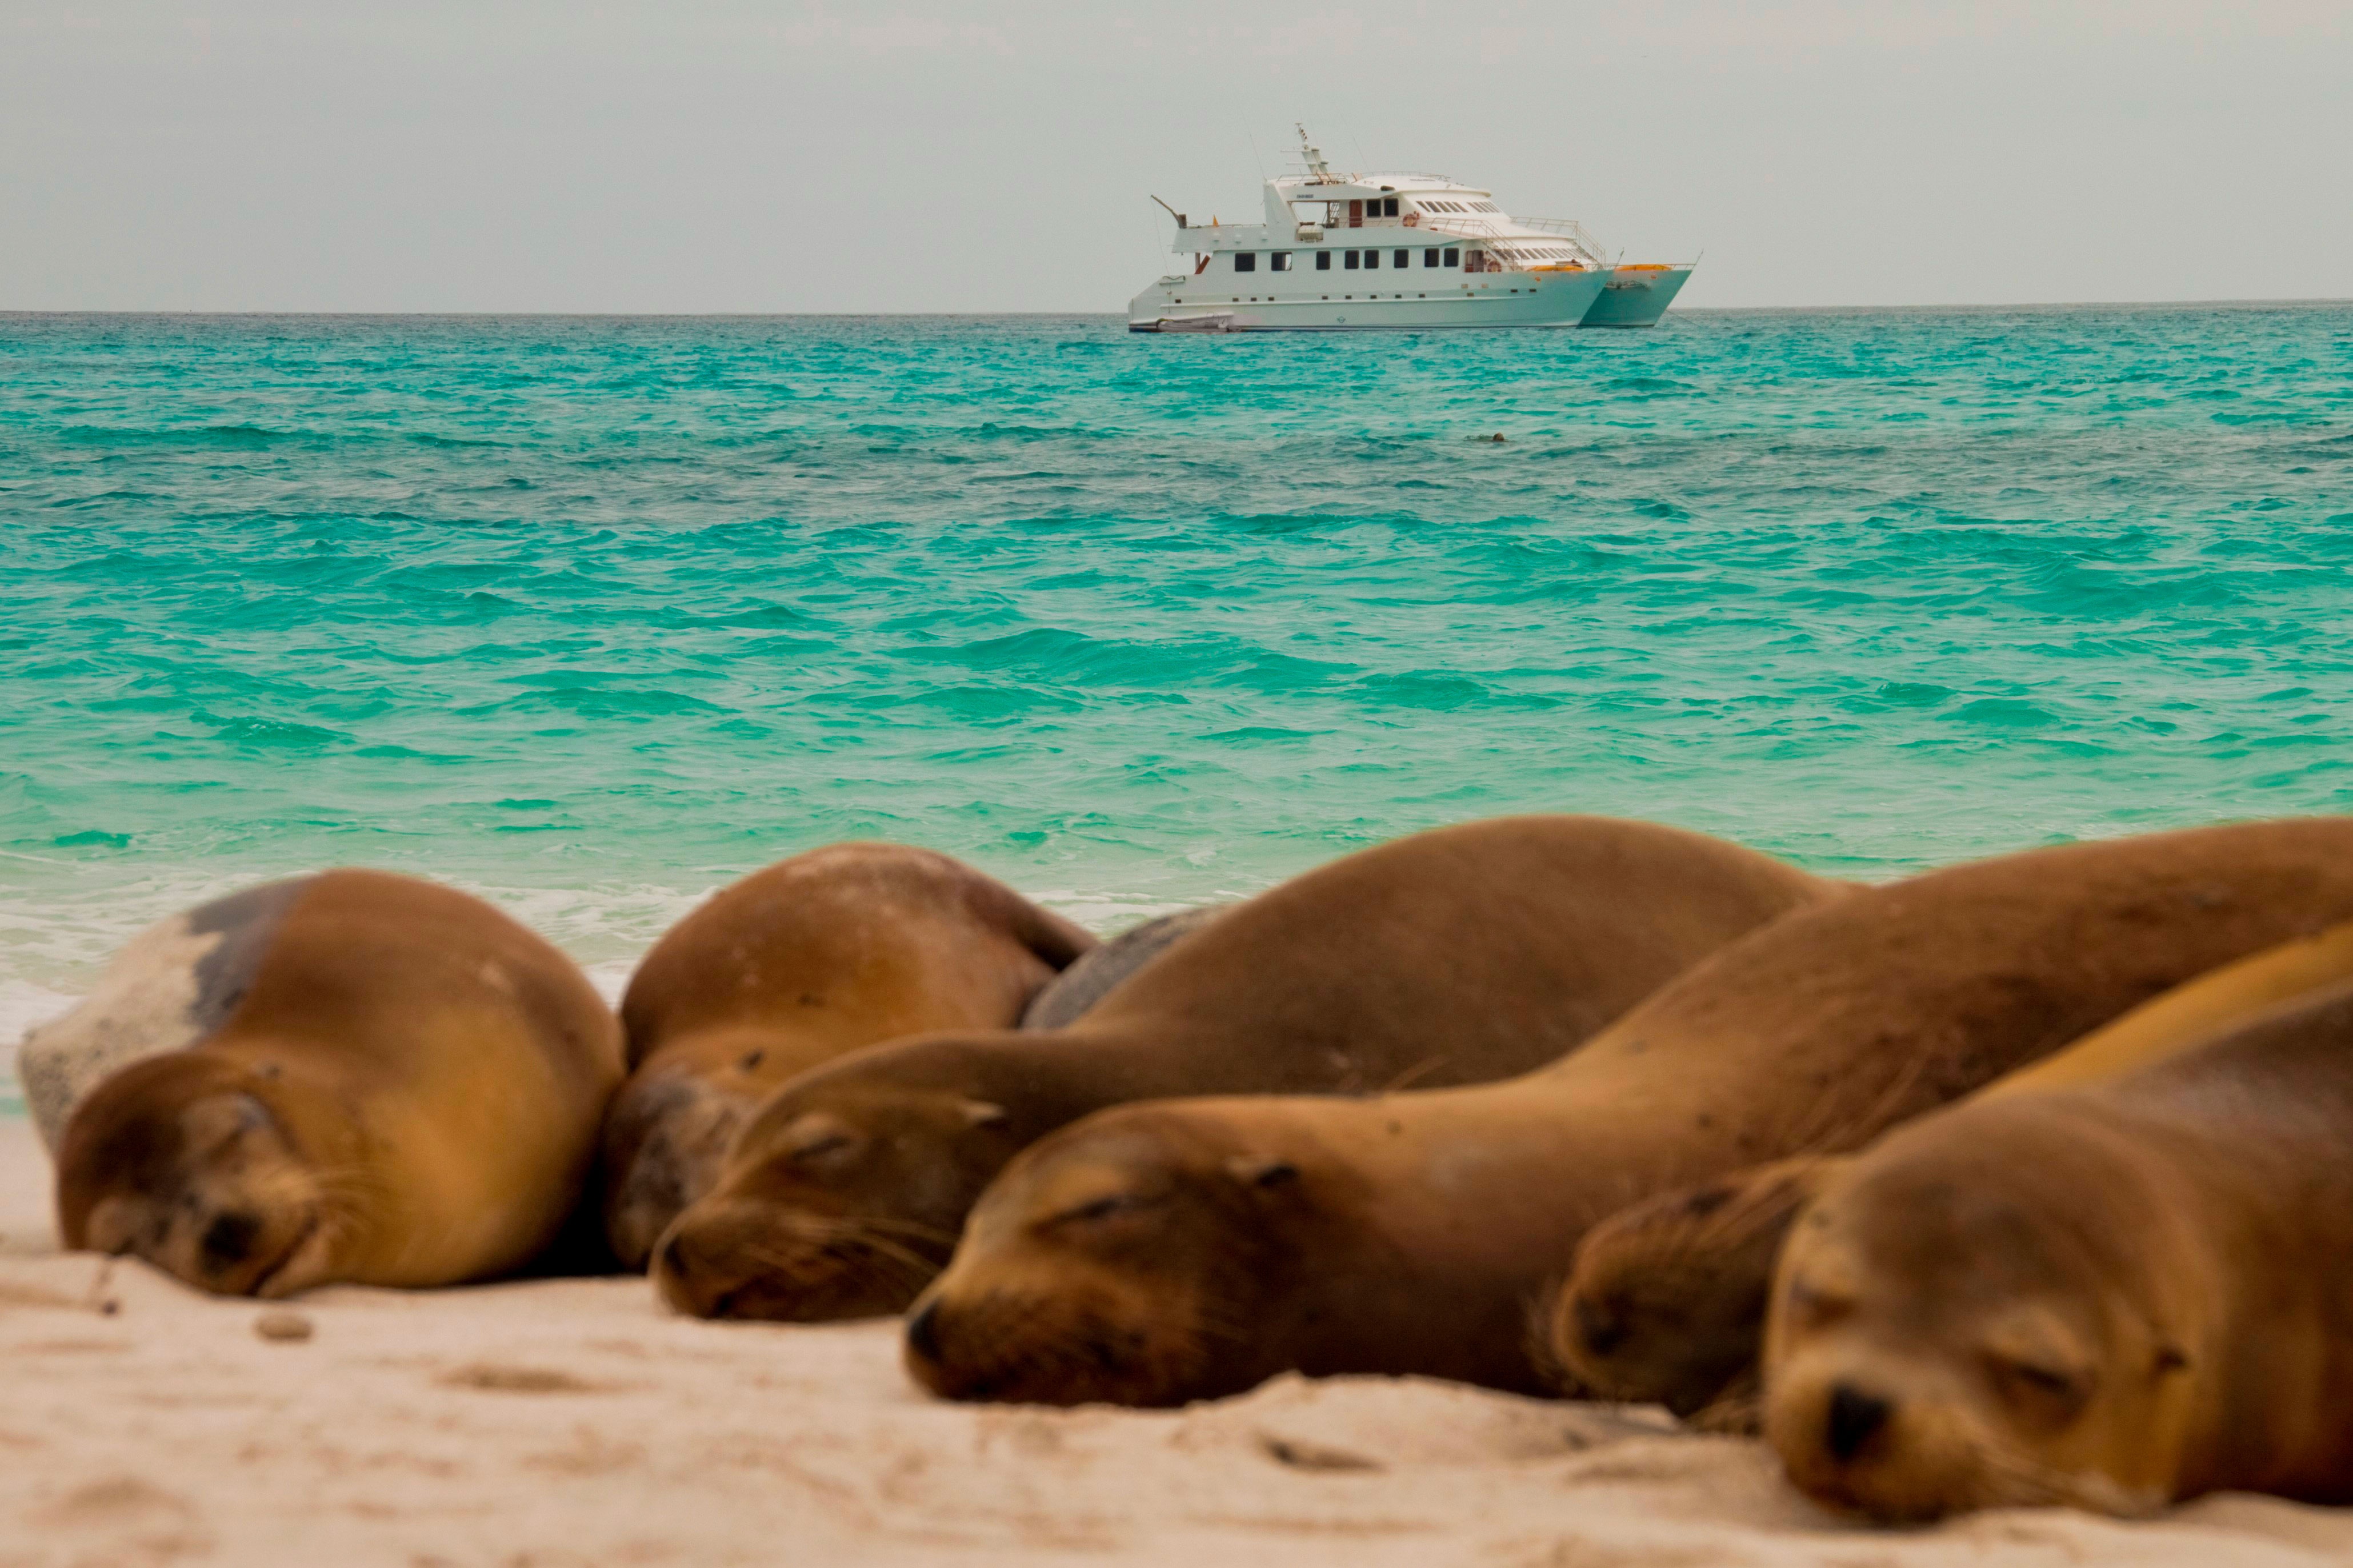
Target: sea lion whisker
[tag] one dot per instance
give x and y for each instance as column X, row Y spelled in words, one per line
column 832, row 1236
column 1413, row 1075
column 915, row 1230
column 2004, row 1478
column 889, row 1256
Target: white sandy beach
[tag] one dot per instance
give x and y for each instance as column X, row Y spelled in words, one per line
column 576, row 1422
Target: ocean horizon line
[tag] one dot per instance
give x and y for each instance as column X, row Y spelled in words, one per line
column 1947, row 308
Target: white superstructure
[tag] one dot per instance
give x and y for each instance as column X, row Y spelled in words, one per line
column 1335, row 252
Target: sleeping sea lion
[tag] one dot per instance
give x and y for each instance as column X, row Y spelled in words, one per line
column 1665, row 1301
column 2110, row 1297
column 405, row 1090
column 1155, row 1254
column 1453, row 956
column 792, row 966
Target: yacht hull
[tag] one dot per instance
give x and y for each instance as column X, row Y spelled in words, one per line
column 1353, row 302
column 1636, row 296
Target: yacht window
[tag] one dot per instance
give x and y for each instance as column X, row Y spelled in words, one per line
column 1245, row 260
column 1323, row 261
column 1453, row 257
column 1372, row 259
column 1355, row 259
column 1429, row 258
column 1402, row 259
column 1388, row 207
column 1279, row 261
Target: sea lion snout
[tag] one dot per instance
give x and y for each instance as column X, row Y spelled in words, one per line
column 685, row 1273
column 1037, row 1346
column 1851, row 1435
column 1600, row 1325
column 1665, row 1299
column 213, row 1194
column 924, row 1332
column 665, row 1139
column 1852, row 1418
column 749, row 1255
column 834, row 1203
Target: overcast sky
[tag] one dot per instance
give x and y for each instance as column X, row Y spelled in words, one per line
column 708, row 155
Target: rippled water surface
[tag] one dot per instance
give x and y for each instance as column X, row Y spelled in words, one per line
column 596, row 613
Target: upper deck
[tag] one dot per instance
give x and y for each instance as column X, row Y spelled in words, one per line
column 1308, row 209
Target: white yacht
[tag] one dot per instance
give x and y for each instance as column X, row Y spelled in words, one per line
column 1339, row 252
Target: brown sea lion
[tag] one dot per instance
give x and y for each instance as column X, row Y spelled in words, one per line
column 793, row 966
column 404, row 1091
column 2111, row 1296
column 1665, row 1301
column 1091, row 978
column 1155, row 1254
column 1453, row 956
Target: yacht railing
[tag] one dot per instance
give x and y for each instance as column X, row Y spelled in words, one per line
column 1580, row 238
column 1576, row 233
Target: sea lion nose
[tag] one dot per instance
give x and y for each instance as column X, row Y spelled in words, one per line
column 1600, row 1328
column 229, row 1238
column 1853, row 1416
column 924, row 1332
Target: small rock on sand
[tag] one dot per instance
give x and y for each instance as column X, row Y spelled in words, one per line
column 290, row 1327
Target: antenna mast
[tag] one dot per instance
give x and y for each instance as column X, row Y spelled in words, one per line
column 1313, row 155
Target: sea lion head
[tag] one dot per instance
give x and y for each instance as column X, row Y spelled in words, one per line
column 1665, row 1301
column 1127, row 1259
column 667, row 1135
column 199, row 1165
column 841, row 1198
column 1970, row 1319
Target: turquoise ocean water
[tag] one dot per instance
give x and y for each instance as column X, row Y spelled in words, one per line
column 594, row 615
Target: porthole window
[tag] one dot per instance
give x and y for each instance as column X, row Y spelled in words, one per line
column 1402, row 259
column 1453, row 257
column 1280, row 261
column 1372, row 258
column 1245, row 260
column 1355, row 259
column 1323, row 261
column 1429, row 258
